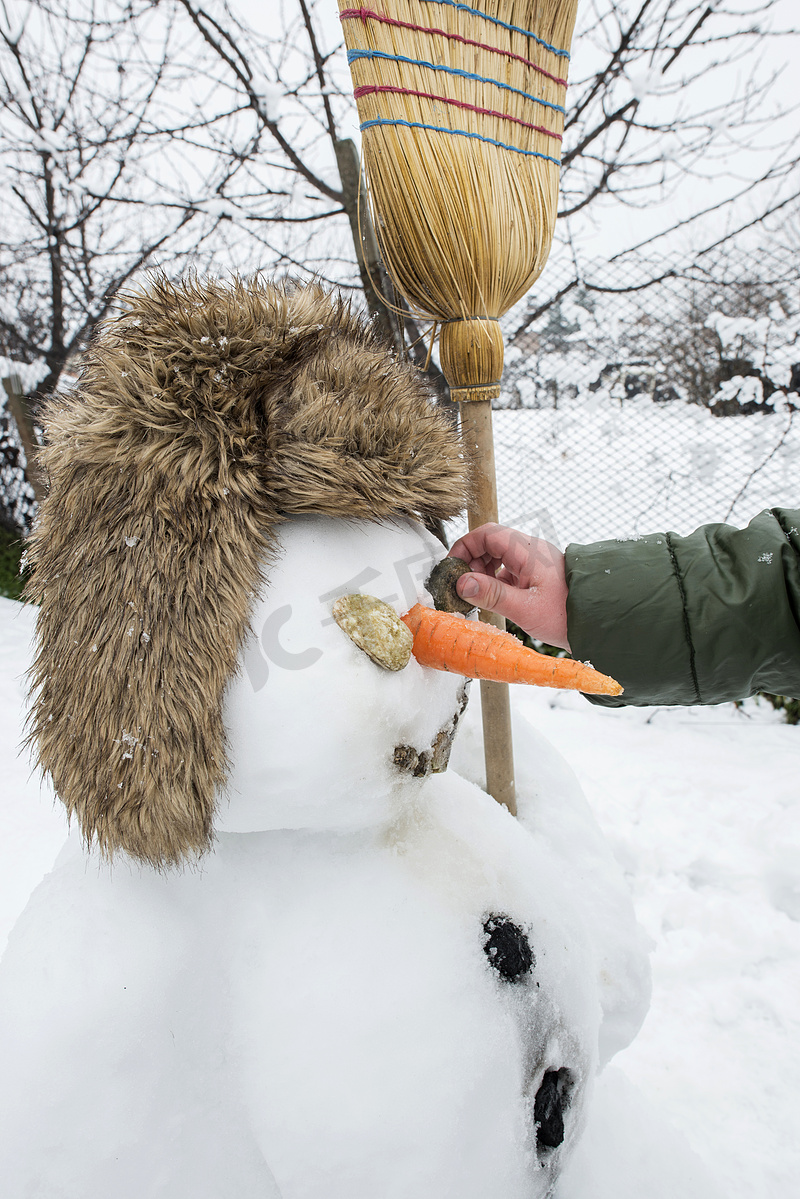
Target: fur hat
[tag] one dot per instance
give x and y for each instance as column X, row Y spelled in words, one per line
column 205, row 414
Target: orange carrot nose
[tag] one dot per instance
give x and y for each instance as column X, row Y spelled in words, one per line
column 480, row 651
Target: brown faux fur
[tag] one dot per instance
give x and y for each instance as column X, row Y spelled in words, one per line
column 204, row 414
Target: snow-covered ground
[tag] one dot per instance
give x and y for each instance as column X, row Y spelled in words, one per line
column 33, row 828
column 702, row 809
column 598, row 467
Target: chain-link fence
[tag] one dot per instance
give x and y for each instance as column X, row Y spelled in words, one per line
column 629, row 408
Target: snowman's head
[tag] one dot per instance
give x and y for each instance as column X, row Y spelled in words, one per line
column 319, row 735
column 206, row 414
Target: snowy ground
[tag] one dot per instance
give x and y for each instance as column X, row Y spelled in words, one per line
column 702, row 809
column 597, row 467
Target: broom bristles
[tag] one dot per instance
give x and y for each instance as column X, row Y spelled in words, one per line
column 462, row 110
column 462, row 114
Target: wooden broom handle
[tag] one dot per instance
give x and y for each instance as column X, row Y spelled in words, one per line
column 476, row 431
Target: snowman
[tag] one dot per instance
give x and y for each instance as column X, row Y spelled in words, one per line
column 286, row 951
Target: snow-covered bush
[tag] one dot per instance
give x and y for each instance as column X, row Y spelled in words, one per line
column 723, row 336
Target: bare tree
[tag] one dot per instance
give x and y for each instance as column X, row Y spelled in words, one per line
column 317, row 223
column 673, row 108
column 666, row 91
column 109, row 164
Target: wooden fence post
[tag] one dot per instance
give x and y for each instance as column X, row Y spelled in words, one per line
column 19, row 409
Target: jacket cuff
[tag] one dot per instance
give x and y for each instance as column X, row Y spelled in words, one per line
column 626, row 615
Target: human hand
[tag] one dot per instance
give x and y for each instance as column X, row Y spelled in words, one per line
column 519, row 577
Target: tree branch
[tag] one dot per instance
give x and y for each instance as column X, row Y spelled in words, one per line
column 197, row 17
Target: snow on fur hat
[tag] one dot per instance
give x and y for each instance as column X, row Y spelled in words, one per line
column 205, row 413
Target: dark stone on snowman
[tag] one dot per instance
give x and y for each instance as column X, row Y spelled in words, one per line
column 507, row 948
column 433, row 760
column 441, row 583
column 552, row 1100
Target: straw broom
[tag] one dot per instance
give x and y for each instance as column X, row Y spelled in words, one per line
column 462, row 110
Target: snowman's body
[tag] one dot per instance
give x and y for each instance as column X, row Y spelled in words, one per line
column 321, row 1009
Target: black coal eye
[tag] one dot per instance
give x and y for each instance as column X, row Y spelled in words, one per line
column 507, row 948
column 552, row 1099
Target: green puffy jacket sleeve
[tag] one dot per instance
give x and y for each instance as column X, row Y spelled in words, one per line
column 691, row 620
